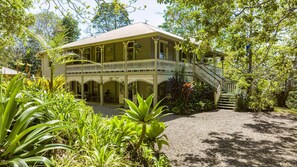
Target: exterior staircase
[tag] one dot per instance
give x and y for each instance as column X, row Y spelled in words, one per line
column 224, row 97
column 227, row 101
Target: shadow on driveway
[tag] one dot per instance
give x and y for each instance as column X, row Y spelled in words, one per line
column 108, row 110
column 237, row 149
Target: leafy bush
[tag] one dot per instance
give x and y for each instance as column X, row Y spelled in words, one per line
column 44, row 84
column 94, row 140
column 189, row 97
column 242, row 102
column 23, row 138
column 151, row 132
column 292, row 100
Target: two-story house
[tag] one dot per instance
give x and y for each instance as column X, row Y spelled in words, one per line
column 136, row 58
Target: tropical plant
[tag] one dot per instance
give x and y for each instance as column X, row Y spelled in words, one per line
column 155, row 135
column 104, row 157
column 121, row 131
column 53, row 49
column 22, row 137
column 143, row 114
column 186, row 97
column 43, row 83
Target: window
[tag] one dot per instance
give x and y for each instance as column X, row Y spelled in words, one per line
column 163, row 50
column 98, row 55
column 75, row 57
column 131, row 51
column 86, row 54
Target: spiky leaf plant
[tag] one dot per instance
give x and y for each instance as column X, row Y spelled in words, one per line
column 22, row 139
column 143, row 113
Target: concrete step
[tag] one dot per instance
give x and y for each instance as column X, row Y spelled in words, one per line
column 226, row 104
column 228, row 97
column 227, row 100
column 226, row 108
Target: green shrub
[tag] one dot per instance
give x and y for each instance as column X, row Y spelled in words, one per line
column 98, row 141
column 23, row 137
column 242, row 102
column 292, row 100
column 192, row 97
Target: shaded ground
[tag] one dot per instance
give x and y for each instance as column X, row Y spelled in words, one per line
column 227, row 138
column 106, row 110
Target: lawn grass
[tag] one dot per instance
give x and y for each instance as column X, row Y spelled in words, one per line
column 285, row 110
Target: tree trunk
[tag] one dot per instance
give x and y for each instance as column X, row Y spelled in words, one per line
column 282, row 98
column 289, row 86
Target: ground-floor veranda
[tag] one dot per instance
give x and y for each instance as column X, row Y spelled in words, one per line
column 114, row 88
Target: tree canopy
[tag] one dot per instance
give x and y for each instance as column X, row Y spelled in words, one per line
column 13, row 16
column 259, row 37
column 71, row 28
column 110, row 16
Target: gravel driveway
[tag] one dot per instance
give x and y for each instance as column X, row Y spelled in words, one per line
column 227, row 138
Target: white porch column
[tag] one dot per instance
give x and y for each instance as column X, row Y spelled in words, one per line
column 215, row 64
column 194, row 64
column 222, row 59
column 102, row 56
column 101, row 77
column 176, row 55
column 156, row 40
column 126, row 75
column 125, row 44
column 82, row 88
column 101, row 91
column 126, row 89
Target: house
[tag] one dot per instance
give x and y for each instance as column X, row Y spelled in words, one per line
column 8, row 71
column 136, row 58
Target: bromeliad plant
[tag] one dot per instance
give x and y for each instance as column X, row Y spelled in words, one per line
column 22, row 138
column 143, row 114
column 155, row 134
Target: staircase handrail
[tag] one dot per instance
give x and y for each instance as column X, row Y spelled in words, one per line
column 204, row 67
column 211, row 79
column 208, row 67
column 229, row 85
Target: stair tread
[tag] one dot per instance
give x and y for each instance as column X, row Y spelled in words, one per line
column 226, row 105
column 232, row 108
column 227, row 100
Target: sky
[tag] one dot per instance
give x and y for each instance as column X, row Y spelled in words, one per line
column 152, row 14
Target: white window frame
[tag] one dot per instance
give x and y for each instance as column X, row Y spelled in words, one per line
column 166, row 49
column 83, row 54
column 98, row 50
column 131, row 47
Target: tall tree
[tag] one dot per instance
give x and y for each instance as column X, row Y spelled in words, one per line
column 48, row 25
column 71, row 28
column 13, row 16
column 250, row 31
column 110, row 16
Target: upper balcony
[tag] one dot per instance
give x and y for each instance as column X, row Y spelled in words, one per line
column 128, row 66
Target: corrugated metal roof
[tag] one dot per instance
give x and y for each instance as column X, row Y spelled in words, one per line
column 8, row 71
column 133, row 30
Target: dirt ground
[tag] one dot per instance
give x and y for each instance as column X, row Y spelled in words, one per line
column 228, row 138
